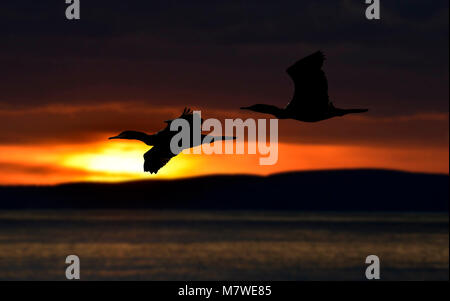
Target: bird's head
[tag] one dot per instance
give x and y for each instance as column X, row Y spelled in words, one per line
column 250, row 108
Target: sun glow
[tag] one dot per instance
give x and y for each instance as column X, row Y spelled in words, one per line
column 121, row 160
column 113, row 161
column 117, row 158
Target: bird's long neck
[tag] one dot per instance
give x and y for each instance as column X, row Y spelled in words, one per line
column 269, row 109
column 147, row 139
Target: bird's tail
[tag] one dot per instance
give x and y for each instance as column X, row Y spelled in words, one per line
column 349, row 111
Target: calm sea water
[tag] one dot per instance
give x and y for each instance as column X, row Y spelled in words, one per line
column 168, row 245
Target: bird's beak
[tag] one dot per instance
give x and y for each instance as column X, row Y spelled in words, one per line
column 245, row 108
column 115, row 137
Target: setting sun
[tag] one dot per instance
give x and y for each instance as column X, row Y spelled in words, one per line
column 123, row 160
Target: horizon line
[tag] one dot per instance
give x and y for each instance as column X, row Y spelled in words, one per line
column 227, row 175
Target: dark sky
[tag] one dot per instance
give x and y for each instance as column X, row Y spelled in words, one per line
column 215, row 53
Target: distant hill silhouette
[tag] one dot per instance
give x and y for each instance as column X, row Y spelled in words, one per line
column 334, row 190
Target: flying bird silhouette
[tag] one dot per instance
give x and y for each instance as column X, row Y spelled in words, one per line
column 160, row 154
column 310, row 102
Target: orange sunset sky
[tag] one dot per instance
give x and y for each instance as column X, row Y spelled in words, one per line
column 374, row 143
column 68, row 86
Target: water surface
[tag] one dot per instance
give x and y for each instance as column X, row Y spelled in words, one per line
column 230, row 245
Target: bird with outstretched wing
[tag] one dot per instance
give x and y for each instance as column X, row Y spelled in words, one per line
column 160, row 154
column 310, row 102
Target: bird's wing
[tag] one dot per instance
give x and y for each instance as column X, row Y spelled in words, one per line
column 311, row 86
column 187, row 115
column 156, row 158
